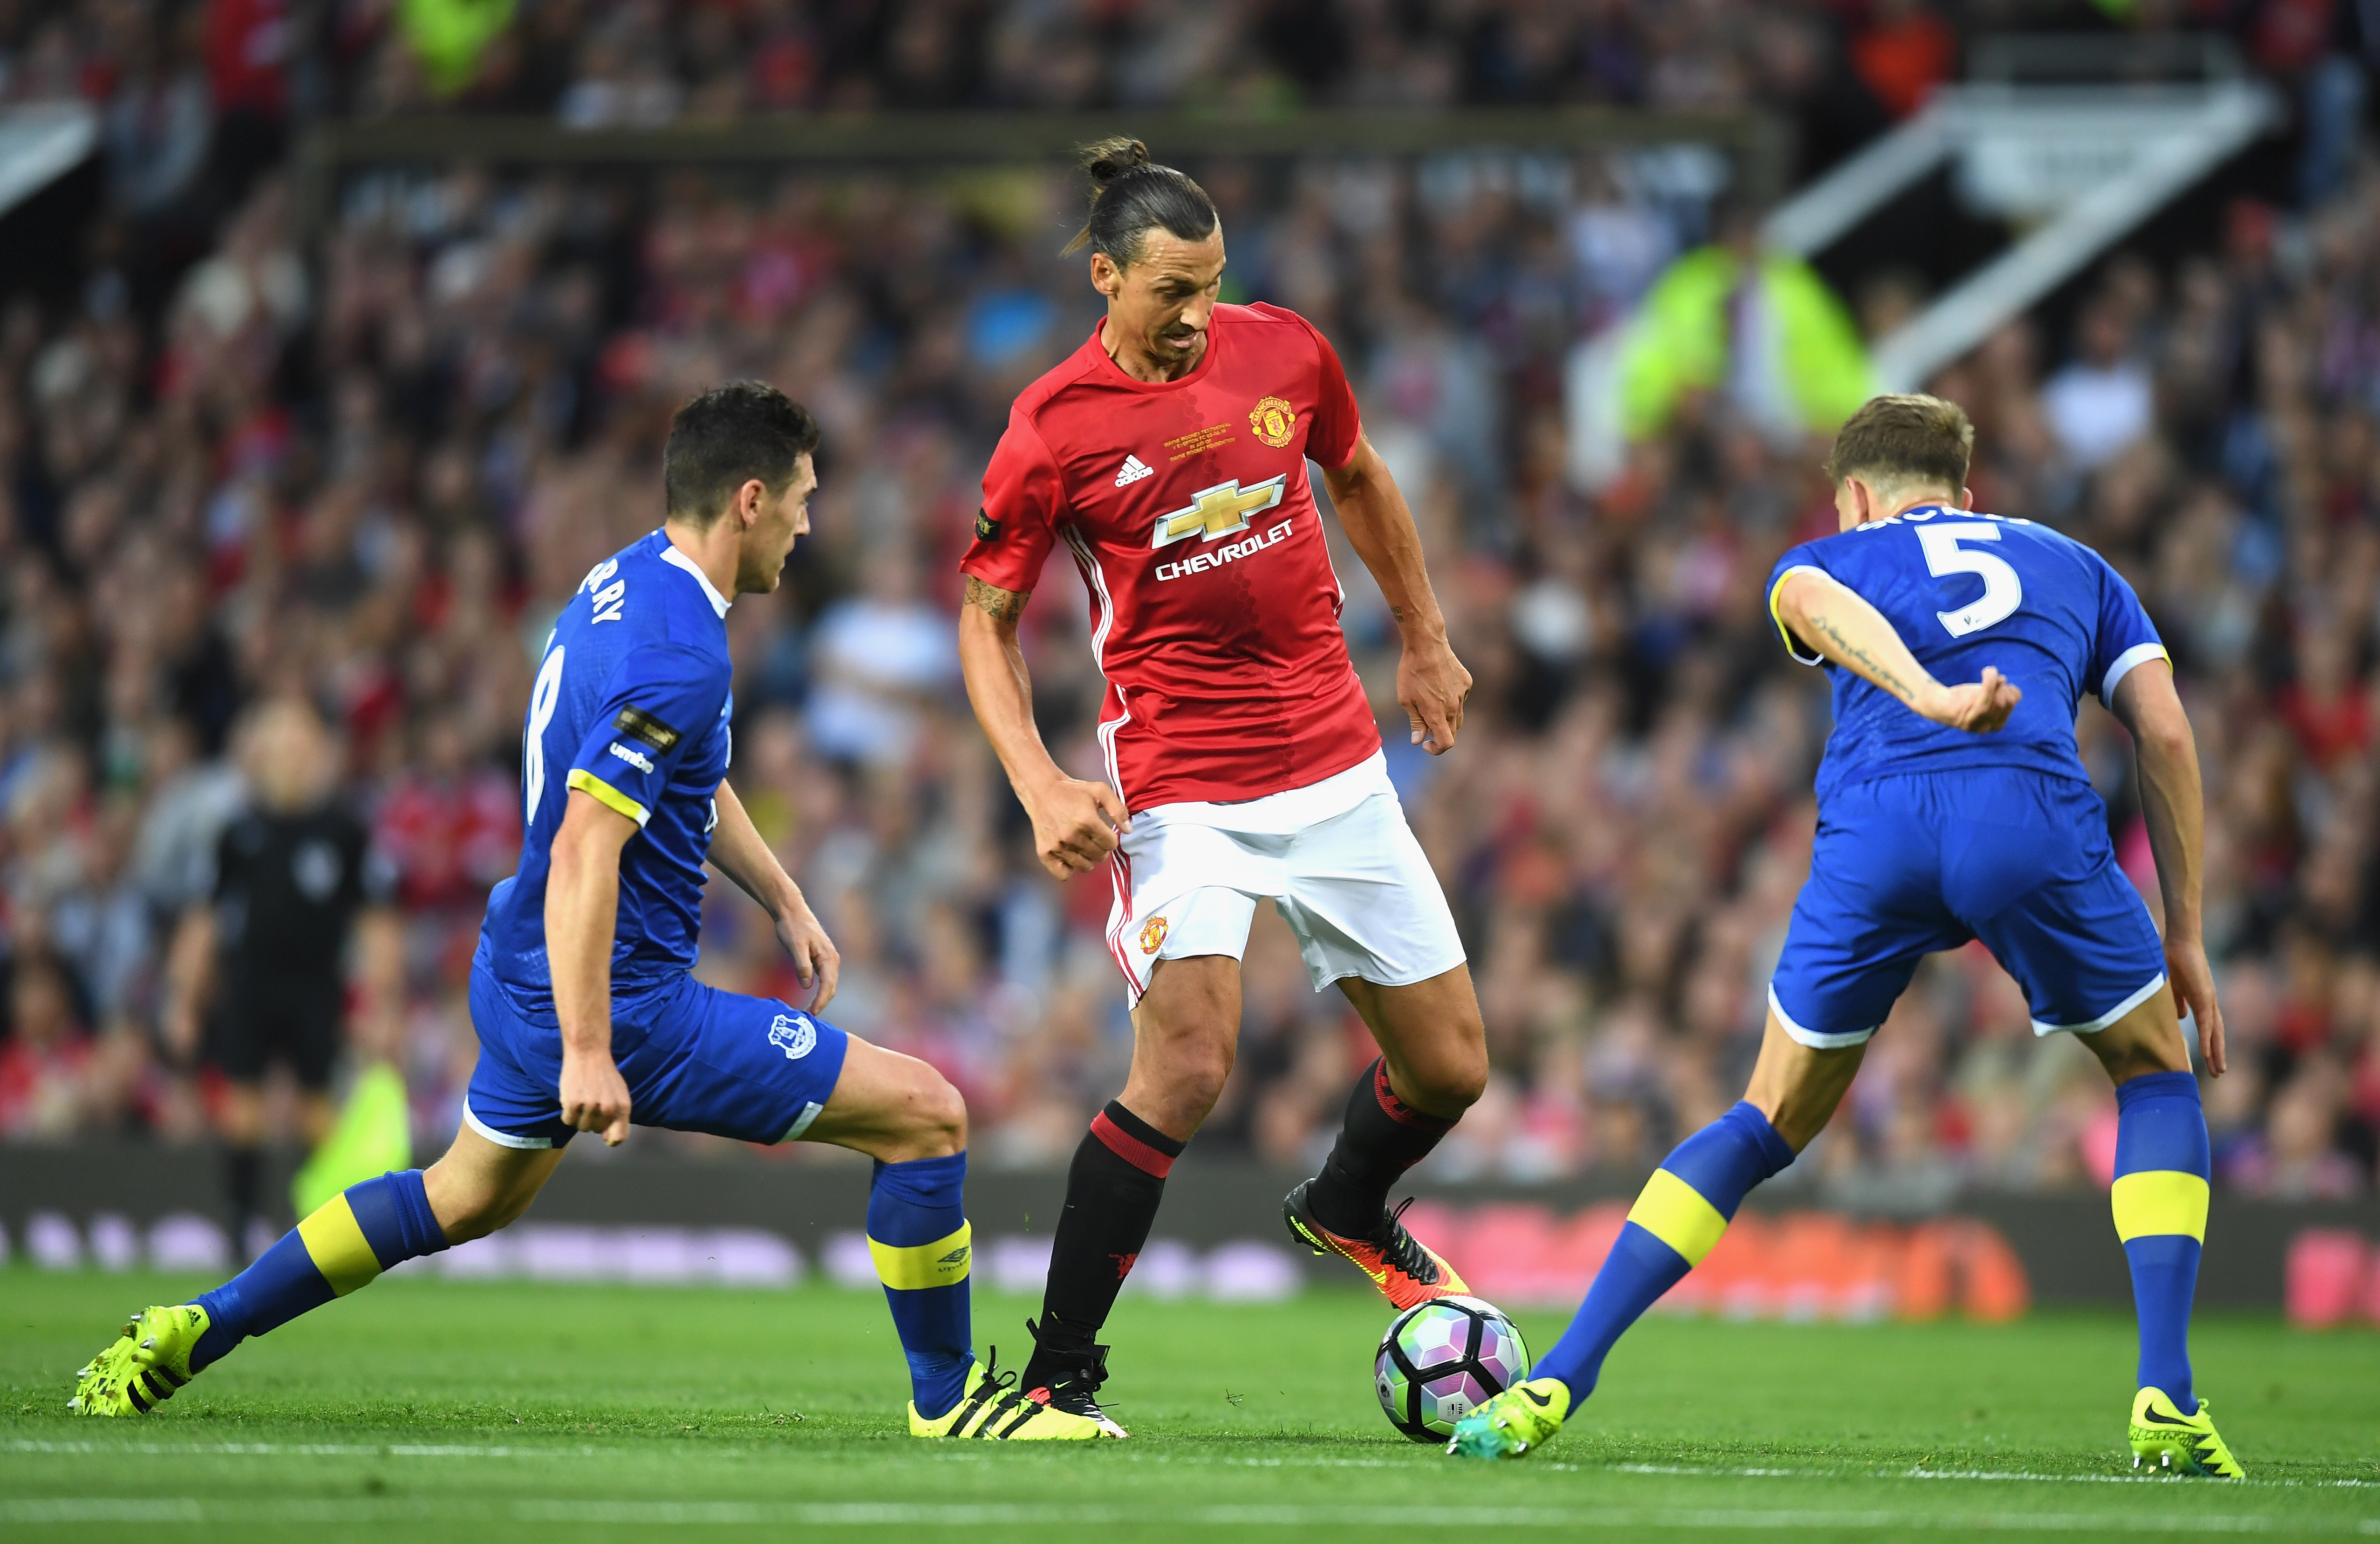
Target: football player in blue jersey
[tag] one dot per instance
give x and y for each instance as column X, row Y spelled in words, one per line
column 588, row 1016
column 1951, row 812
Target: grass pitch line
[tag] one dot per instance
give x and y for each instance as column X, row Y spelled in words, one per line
column 460, row 1450
column 1715, row 1472
column 316, row 1450
column 75, row 1509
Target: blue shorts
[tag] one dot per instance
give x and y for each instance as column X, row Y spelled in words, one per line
column 1910, row 864
column 695, row 1059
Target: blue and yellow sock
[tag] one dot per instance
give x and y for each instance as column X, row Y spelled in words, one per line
column 917, row 1231
column 344, row 1244
column 2160, row 1205
column 1678, row 1217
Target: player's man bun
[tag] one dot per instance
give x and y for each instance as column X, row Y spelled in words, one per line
column 725, row 438
column 1905, row 439
column 1132, row 195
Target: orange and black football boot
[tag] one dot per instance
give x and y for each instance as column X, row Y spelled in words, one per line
column 1400, row 1265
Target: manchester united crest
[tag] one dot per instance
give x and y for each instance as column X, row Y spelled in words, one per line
column 1273, row 421
column 1152, row 936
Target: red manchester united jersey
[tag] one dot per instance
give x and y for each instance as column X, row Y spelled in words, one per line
column 1214, row 608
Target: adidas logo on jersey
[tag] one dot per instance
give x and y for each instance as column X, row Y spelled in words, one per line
column 1132, row 471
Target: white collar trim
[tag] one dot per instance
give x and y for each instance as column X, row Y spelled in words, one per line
column 671, row 554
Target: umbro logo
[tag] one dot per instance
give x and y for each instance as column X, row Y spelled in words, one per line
column 1132, row 471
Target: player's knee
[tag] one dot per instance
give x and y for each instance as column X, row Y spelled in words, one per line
column 476, row 1216
column 1451, row 1082
column 942, row 1118
column 935, row 1119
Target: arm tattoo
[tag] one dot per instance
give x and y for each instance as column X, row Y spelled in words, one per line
column 1001, row 605
column 1876, row 672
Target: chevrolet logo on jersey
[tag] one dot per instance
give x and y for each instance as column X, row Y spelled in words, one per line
column 1218, row 511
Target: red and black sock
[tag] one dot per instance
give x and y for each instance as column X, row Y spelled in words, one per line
column 1112, row 1189
column 1383, row 1136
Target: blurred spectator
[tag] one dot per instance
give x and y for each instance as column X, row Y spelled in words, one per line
column 365, row 473
column 1758, row 329
column 1905, row 50
column 47, row 1071
column 2100, row 402
column 258, row 973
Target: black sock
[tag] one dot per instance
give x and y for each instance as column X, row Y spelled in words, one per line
column 1112, row 1188
column 243, row 1183
column 1383, row 1136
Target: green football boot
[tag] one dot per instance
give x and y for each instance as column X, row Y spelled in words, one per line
column 2170, row 1442
column 992, row 1410
column 1516, row 1422
column 142, row 1367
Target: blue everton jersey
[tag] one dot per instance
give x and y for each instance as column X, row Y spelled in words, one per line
column 631, row 707
column 1966, row 591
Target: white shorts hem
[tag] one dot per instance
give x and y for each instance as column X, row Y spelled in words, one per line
column 810, row 1112
column 2110, row 1016
column 1812, row 1038
column 503, row 1138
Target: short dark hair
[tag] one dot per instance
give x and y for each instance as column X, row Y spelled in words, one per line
column 726, row 437
column 1908, row 437
column 1130, row 195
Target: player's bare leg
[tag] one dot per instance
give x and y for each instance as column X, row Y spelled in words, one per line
column 1798, row 1086
column 2159, row 1200
column 894, row 1108
column 1185, row 1031
column 1433, row 1066
column 478, row 1187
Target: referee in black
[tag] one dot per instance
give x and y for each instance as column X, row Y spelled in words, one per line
column 259, row 972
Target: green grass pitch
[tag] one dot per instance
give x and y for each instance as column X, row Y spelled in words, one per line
column 442, row 1410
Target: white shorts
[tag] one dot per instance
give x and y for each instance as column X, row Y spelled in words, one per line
column 1335, row 856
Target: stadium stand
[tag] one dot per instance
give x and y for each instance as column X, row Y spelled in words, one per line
column 367, row 470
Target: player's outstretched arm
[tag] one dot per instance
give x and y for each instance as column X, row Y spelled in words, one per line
column 2172, row 807
column 738, row 851
column 1074, row 824
column 1832, row 618
column 1432, row 685
column 582, row 907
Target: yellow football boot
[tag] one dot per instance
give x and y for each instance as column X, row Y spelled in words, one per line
column 993, row 1411
column 1514, row 1423
column 2170, row 1442
column 141, row 1368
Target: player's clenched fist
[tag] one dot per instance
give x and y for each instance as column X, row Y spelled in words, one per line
column 1074, row 824
column 1980, row 707
column 595, row 1097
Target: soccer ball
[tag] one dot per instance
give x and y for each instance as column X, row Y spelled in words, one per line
column 1443, row 1359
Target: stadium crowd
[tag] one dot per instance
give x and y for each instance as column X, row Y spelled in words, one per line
column 365, row 474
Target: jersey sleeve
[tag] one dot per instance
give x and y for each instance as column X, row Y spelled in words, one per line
column 2124, row 638
column 1337, row 424
column 1024, row 498
column 661, row 702
column 1800, row 559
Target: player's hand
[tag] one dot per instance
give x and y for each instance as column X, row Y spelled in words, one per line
column 1979, row 708
column 1075, row 825
column 2193, row 994
column 1432, row 688
column 594, row 1095
column 816, row 959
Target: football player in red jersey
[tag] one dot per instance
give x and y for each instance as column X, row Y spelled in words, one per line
column 1168, row 455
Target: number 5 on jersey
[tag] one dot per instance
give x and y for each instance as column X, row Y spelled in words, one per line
column 2003, row 591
